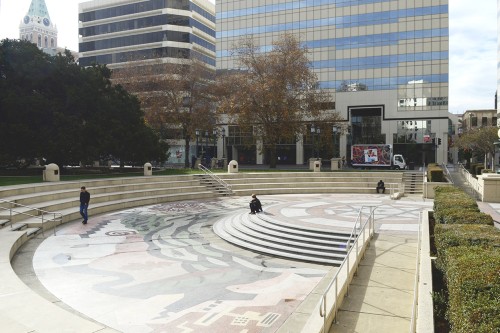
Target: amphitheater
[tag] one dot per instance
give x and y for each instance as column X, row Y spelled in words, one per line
column 182, row 254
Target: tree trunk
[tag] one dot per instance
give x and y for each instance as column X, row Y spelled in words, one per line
column 272, row 157
column 186, row 152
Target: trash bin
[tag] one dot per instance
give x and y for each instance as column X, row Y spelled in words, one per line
column 148, row 169
column 411, row 166
column 51, row 173
column 317, row 166
column 232, row 167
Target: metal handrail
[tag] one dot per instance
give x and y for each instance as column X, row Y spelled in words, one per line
column 474, row 187
column 447, row 172
column 397, row 186
column 214, row 177
column 57, row 216
column 413, row 322
column 368, row 224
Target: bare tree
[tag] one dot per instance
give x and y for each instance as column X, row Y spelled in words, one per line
column 273, row 94
column 175, row 97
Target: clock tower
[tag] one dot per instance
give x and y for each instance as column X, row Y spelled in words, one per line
column 38, row 28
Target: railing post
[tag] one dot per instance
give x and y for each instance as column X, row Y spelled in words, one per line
column 336, row 295
column 43, row 231
column 10, row 214
column 348, row 274
column 55, row 224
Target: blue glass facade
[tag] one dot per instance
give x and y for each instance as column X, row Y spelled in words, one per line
column 379, row 44
column 378, row 59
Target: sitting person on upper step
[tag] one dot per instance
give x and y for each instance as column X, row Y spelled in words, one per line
column 380, row 186
column 255, row 205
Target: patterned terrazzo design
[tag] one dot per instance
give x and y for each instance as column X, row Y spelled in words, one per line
column 162, row 269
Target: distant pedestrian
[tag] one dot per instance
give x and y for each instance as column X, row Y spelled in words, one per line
column 84, row 204
column 255, row 205
column 343, row 162
column 380, row 186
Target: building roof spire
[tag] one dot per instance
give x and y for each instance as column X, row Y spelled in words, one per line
column 38, row 8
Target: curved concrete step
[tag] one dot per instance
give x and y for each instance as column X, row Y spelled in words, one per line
column 232, row 230
column 255, row 227
column 246, row 226
column 326, row 234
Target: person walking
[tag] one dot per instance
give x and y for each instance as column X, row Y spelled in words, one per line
column 84, row 204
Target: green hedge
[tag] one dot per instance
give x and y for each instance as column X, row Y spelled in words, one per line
column 464, row 216
column 451, row 198
column 476, row 168
column 468, row 255
column 473, row 280
column 453, row 206
column 435, row 174
column 447, row 236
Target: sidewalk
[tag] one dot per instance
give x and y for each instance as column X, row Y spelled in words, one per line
column 381, row 295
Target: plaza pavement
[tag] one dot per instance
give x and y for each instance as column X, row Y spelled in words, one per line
column 162, row 269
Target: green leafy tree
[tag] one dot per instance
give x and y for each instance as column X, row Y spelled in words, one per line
column 52, row 109
column 479, row 141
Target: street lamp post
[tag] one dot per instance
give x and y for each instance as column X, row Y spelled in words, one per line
column 313, row 132
column 334, row 130
column 214, row 132
column 197, row 136
column 206, row 143
column 223, row 143
column 318, row 131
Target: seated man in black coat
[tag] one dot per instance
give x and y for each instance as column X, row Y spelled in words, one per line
column 255, row 205
column 380, row 186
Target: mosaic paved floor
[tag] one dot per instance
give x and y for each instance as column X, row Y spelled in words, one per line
column 161, row 268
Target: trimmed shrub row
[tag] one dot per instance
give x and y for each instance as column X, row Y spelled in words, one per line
column 453, row 206
column 476, row 168
column 468, row 255
column 435, row 173
column 446, row 236
column 473, row 280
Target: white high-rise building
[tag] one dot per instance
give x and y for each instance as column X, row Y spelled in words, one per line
column 114, row 32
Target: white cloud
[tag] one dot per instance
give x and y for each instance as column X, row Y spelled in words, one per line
column 473, row 55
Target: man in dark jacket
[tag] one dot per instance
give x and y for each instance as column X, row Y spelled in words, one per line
column 84, row 204
column 255, row 205
column 380, row 186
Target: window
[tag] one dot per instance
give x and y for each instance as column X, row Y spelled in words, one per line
column 484, row 121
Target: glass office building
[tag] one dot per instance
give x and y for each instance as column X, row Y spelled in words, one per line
column 114, row 32
column 128, row 33
column 385, row 63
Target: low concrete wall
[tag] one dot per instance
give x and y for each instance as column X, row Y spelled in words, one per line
column 425, row 309
column 430, row 186
column 489, row 183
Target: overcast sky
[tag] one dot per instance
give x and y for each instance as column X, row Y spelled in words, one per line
column 473, row 44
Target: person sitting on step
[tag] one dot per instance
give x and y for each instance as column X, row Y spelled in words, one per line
column 380, row 186
column 255, row 205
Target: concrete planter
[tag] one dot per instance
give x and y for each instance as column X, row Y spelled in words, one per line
column 490, row 185
column 430, row 186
